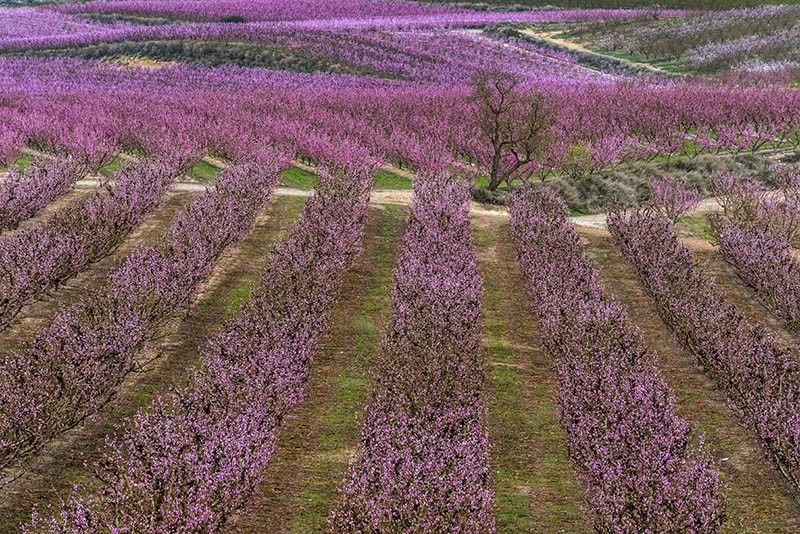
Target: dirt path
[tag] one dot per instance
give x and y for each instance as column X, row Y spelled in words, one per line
column 301, row 481
column 598, row 220
column 550, row 37
column 37, row 313
column 537, row 490
column 47, row 478
column 388, row 167
column 758, row 498
column 378, row 197
column 394, row 169
column 536, row 55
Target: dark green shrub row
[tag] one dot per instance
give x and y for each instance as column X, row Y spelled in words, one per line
column 207, row 53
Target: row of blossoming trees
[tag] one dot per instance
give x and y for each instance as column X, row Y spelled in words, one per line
column 760, row 377
column 211, row 440
column 757, row 231
column 189, row 461
column 635, row 453
column 72, row 366
column 423, row 459
column 259, row 21
column 41, row 256
column 610, row 121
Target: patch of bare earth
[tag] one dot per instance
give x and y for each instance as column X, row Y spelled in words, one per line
column 140, row 62
column 537, row 490
column 759, row 500
column 300, row 464
column 48, row 477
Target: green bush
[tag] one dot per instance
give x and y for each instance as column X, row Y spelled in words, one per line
column 629, row 184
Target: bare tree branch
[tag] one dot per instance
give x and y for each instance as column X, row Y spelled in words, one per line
column 515, row 124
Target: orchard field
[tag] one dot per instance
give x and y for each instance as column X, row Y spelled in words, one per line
column 384, row 266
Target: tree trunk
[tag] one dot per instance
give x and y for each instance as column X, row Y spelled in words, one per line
column 494, row 183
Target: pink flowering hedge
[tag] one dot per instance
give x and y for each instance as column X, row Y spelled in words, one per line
column 760, row 379
column 257, row 10
column 422, row 463
column 150, row 110
column 41, row 256
column 10, row 142
column 641, row 470
column 78, row 360
column 192, row 458
column 23, row 194
column 24, row 29
column 766, row 262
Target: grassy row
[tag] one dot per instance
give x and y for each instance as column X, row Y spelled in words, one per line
column 340, row 423
column 536, row 487
column 297, row 178
column 293, row 177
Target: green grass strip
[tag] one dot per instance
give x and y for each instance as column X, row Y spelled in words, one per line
column 535, row 486
column 340, row 424
column 204, row 172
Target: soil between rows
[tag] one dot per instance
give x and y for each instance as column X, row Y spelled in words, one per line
column 51, row 208
column 741, row 295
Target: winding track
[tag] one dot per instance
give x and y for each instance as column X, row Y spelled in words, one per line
column 382, row 197
column 550, row 37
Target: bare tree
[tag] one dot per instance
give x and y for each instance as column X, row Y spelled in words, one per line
column 514, row 122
